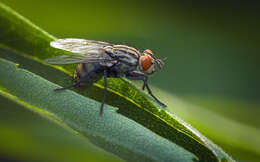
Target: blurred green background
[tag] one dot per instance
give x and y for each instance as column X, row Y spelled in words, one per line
column 212, row 51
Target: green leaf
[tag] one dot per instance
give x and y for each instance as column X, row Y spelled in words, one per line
column 121, row 132
column 221, row 117
column 26, row 137
column 111, row 131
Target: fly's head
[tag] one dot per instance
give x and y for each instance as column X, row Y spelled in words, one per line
column 147, row 61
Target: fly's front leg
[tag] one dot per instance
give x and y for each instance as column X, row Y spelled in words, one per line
column 150, row 92
column 135, row 75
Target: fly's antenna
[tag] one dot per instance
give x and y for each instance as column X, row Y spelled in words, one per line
column 159, row 63
column 165, row 58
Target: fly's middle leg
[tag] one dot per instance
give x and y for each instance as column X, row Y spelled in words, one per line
column 105, row 91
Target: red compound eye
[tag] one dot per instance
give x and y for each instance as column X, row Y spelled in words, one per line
column 146, row 62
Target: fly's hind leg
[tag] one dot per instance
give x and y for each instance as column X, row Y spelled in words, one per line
column 76, row 84
column 135, row 75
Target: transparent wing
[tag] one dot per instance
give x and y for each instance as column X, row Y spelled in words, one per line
column 80, row 46
column 96, row 55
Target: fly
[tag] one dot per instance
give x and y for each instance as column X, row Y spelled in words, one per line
column 96, row 59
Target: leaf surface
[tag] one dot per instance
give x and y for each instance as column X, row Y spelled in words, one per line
column 121, row 132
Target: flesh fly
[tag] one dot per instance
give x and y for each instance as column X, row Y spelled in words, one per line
column 96, row 59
